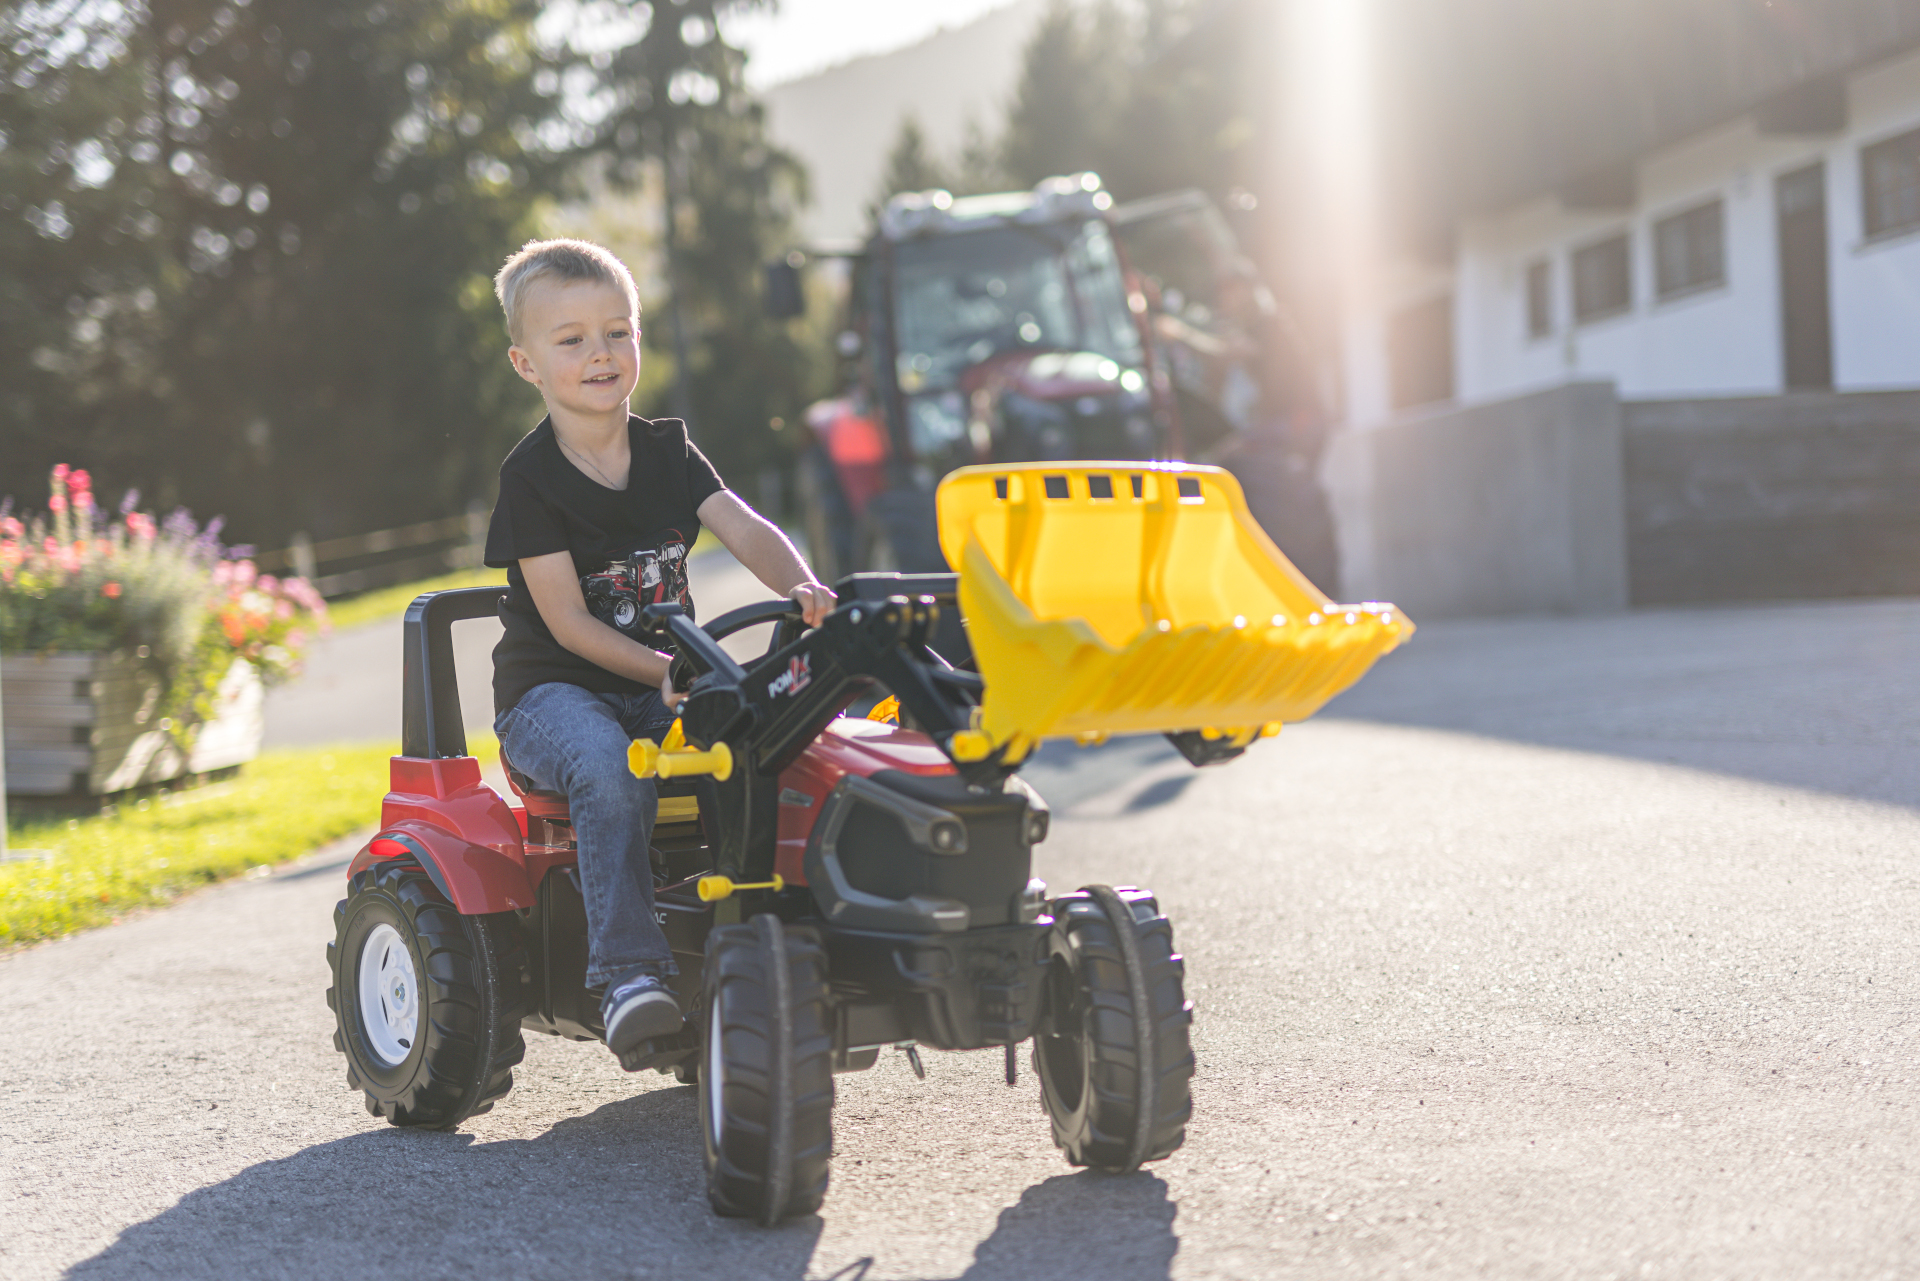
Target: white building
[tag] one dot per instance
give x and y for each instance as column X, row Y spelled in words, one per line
column 1662, row 378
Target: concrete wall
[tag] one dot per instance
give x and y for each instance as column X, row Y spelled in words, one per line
column 1801, row 496
column 1501, row 509
column 1570, row 500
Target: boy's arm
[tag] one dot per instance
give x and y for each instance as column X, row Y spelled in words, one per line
column 556, row 594
column 757, row 543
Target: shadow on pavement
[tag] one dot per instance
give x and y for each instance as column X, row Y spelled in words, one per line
column 617, row 1192
column 1820, row 695
column 1110, row 1227
column 1160, row 792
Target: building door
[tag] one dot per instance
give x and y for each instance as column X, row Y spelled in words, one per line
column 1806, row 323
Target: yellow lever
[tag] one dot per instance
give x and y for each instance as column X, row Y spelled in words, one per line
column 674, row 759
column 714, row 888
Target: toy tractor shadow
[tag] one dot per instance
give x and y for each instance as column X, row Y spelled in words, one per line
column 831, row 886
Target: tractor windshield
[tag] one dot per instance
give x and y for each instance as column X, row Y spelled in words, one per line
column 962, row 299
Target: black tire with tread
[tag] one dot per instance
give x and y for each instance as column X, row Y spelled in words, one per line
column 473, row 976
column 1112, row 958
column 768, row 1152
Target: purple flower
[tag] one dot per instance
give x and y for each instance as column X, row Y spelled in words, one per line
column 240, row 551
column 131, row 501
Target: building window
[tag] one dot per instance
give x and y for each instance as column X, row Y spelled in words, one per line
column 1602, row 279
column 1689, row 250
column 1890, row 184
column 1420, row 354
column 1539, row 299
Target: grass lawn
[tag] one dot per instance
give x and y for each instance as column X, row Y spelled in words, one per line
column 281, row 806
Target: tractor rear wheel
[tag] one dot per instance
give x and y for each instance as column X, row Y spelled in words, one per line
column 766, row 1071
column 1112, row 1052
column 427, row 1002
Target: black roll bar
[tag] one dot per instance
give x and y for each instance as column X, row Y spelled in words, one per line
column 430, row 723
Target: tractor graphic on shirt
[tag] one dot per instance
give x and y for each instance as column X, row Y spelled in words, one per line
column 648, row 576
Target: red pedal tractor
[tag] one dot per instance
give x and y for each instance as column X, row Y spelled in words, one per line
column 829, row 885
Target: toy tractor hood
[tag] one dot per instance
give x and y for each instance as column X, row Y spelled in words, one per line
column 1126, row 598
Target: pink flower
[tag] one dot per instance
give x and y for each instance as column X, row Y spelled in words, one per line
column 269, row 584
column 10, row 527
column 79, row 481
column 243, row 574
column 283, row 610
column 223, row 573
column 58, row 503
column 82, row 500
column 60, row 471
column 111, row 591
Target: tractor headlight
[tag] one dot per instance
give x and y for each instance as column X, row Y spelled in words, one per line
column 1037, row 824
column 948, row 837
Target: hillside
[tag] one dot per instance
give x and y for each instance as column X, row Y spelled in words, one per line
column 841, row 121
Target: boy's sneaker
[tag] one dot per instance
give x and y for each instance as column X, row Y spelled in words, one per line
column 638, row 1009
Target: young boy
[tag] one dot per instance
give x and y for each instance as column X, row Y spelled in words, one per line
column 594, row 489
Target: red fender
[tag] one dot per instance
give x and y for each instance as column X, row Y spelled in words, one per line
column 460, row 831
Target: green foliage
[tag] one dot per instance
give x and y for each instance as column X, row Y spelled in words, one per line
column 681, row 118
column 911, row 164
column 150, row 851
column 914, row 165
column 1153, row 95
column 245, row 248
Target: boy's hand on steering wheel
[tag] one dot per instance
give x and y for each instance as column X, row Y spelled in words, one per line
column 670, row 696
column 816, row 601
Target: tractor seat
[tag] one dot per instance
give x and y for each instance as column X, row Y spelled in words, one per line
column 551, row 806
column 678, row 799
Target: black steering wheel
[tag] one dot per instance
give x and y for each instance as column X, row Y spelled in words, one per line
column 785, row 614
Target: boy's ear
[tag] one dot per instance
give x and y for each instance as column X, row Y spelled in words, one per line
column 523, row 364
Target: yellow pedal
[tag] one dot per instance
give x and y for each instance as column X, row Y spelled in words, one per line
column 887, row 709
column 714, row 888
column 648, row 759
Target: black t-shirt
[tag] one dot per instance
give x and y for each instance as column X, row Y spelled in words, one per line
column 629, row 546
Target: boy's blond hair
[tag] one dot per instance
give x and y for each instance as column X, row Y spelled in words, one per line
column 561, row 260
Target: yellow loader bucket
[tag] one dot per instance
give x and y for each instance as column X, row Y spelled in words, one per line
column 1126, row 598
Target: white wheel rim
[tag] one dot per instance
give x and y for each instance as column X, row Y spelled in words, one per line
column 389, row 995
column 714, row 1074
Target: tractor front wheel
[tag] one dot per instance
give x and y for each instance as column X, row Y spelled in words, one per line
column 766, row 1071
column 426, row 1002
column 1112, row 1051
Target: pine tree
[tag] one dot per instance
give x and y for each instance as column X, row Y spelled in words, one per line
column 684, row 115
column 911, row 164
column 1072, row 84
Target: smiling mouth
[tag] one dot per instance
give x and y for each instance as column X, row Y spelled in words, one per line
column 604, row 378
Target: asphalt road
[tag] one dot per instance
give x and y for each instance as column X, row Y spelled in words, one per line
column 1559, row 948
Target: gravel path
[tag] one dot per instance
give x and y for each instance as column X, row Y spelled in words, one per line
column 1599, row 964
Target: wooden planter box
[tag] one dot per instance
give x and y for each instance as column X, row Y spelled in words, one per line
column 85, row 724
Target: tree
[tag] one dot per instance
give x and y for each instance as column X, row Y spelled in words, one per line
column 245, row 247
column 1153, row 95
column 676, row 111
column 911, row 164
column 1072, row 83
column 305, row 200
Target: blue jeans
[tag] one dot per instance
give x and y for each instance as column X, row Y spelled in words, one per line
column 572, row 741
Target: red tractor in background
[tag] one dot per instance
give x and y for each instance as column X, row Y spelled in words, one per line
column 1052, row 325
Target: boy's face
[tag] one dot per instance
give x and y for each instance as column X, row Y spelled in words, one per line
column 580, row 345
